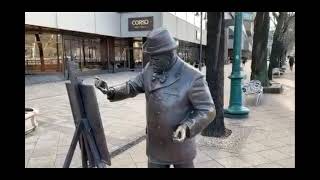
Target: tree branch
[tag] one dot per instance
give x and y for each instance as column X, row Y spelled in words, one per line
column 287, row 24
column 291, row 18
column 276, row 16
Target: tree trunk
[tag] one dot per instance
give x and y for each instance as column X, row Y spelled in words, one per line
column 259, row 50
column 84, row 55
column 131, row 57
column 215, row 72
column 40, row 52
column 277, row 44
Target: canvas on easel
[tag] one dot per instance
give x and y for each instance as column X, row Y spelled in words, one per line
column 89, row 128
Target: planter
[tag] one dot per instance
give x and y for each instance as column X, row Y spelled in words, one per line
column 275, row 88
column 30, row 120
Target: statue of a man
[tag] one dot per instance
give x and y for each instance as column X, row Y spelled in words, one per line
column 179, row 103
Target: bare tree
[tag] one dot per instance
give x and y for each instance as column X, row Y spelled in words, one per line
column 215, row 72
column 259, row 69
column 39, row 43
column 279, row 45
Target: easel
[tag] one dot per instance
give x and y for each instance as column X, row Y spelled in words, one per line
column 89, row 130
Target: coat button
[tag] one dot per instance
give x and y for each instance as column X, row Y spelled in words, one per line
column 158, row 127
column 161, row 142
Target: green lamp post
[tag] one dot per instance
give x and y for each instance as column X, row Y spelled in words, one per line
column 236, row 109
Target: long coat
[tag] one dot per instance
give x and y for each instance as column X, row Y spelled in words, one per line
column 183, row 98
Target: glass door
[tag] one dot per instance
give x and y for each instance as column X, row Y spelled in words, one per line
column 137, row 54
column 73, row 51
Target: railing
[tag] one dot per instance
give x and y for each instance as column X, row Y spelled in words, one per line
column 50, row 65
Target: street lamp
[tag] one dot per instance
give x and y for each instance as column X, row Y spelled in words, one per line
column 236, row 110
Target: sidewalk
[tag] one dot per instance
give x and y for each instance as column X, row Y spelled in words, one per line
column 265, row 139
column 48, row 145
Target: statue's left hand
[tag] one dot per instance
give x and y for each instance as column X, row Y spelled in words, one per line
column 180, row 134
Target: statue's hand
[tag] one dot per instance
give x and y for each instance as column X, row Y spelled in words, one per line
column 100, row 84
column 180, row 134
column 103, row 87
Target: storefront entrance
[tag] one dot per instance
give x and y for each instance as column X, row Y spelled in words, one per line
column 128, row 54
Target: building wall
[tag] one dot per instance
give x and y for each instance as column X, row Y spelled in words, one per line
column 46, row 19
column 108, row 23
column 102, row 23
column 244, row 40
column 247, row 30
column 182, row 29
column 170, row 22
column 115, row 24
column 77, row 21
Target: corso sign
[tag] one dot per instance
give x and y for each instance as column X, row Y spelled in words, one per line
column 140, row 24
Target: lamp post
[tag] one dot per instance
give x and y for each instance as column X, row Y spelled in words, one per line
column 235, row 109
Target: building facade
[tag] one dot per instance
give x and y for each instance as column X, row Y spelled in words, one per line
column 103, row 40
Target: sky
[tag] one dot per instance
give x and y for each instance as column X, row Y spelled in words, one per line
column 272, row 27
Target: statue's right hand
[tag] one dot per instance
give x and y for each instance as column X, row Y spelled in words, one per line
column 103, row 87
column 101, row 84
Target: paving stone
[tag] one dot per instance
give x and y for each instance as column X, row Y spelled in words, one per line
column 289, row 150
column 268, row 165
column 287, row 163
column 254, row 159
column 208, row 164
column 233, row 162
column 273, row 155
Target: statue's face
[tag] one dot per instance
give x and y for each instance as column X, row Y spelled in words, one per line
column 161, row 62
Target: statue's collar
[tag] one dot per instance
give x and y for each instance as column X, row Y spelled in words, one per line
column 173, row 75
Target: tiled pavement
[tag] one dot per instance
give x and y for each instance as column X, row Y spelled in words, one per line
column 264, row 140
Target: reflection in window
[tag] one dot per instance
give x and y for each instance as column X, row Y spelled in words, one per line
column 137, row 54
column 189, row 52
column 121, row 53
column 50, row 60
column 84, row 51
column 92, row 56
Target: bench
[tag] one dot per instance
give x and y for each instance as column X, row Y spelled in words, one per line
column 278, row 71
column 253, row 88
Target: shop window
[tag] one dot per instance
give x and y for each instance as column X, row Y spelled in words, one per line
column 121, row 53
column 43, row 53
column 84, row 51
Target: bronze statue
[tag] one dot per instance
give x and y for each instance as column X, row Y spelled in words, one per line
column 179, row 103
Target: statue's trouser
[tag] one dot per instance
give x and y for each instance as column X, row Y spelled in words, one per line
column 184, row 165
